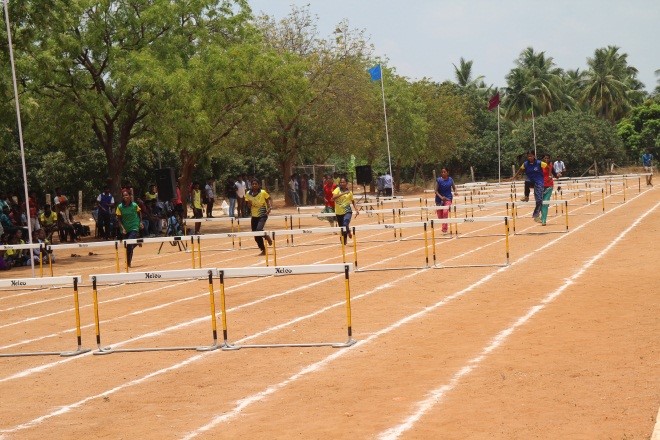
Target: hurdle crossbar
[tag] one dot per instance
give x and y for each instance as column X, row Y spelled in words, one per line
column 231, row 235
column 135, row 277
column 23, row 283
column 243, row 272
column 306, row 231
column 394, row 227
column 54, row 248
column 459, row 220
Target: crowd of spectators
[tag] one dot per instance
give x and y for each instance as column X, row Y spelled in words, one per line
column 45, row 220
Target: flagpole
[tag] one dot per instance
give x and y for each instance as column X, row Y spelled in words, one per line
column 20, row 134
column 387, row 136
column 534, row 130
column 499, row 150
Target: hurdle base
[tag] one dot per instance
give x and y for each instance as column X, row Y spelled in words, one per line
column 393, row 268
column 109, row 350
column 230, row 347
column 458, row 266
column 75, row 353
column 295, row 345
column 47, row 353
column 348, row 343
column 215, row 346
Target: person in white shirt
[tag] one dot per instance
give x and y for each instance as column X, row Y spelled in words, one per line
column 240, row 195
column 559, row 167
column 209, row 191
column 387, row 184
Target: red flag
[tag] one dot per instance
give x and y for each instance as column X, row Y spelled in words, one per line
column 494, row 101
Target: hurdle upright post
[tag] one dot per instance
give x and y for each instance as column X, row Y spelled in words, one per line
column 199, row 251
column 76, row 305
column 223, row 310
column 566, row 215
column 506, row 238
column 192, row 251
column 214, row 324
column 274, row 249
column 355, row 263
column 426, row 245
column 97, row 323
column 433, row 241
column 117, row 256
column 349, row 325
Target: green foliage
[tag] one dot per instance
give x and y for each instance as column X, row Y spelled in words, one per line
column 578, row 138
column 640, row 131
column 114, row 89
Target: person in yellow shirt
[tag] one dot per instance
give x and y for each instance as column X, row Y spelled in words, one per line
column 198, row 211
column 259, row 204
column 48, row 221
column 343, row 198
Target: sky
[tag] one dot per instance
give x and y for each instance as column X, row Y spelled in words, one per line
column 424, row 38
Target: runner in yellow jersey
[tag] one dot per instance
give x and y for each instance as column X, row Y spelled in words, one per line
column 343, row 198
column 259, row 204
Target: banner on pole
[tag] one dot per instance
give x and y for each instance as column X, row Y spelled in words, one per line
column 375, row 73
column 494, row 101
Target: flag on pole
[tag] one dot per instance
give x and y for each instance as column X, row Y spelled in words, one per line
column 494, row 101
column 375, row 73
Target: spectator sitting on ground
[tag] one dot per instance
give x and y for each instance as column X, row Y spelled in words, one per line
column 6, row 222
column 18, row 257
column 40, row 238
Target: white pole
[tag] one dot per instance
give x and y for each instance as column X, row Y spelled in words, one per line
column 387, row 136
column 534, row 130
column 20, row 134
column 499, row 150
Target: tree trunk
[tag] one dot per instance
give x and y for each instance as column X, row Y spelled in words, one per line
column 397, row 175
column 288, row 145
column 188, row 164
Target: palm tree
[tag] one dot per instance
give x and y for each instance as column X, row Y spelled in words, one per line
column 534, row 86
column 612, row 87
column 519, row 98
column 573, row 85
column 463, row 74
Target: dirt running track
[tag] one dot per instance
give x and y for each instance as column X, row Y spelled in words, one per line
column 563, row 343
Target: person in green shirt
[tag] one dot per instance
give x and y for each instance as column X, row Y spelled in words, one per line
column 130, row 221
column 259, row 204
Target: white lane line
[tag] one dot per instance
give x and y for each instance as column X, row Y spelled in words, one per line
column 257, row 397
column 306, row 370
column 656, row 430
column 435, row 396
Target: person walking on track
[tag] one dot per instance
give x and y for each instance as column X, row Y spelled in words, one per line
column 443, row 195
column 260, row 205
column 343, row 198
column 130, row 222
column 533, row 169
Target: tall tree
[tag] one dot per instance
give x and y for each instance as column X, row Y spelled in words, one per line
column 611, row 85
column 95, row 59
column 309, row 73
column 463, row 75
column 534, row 85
